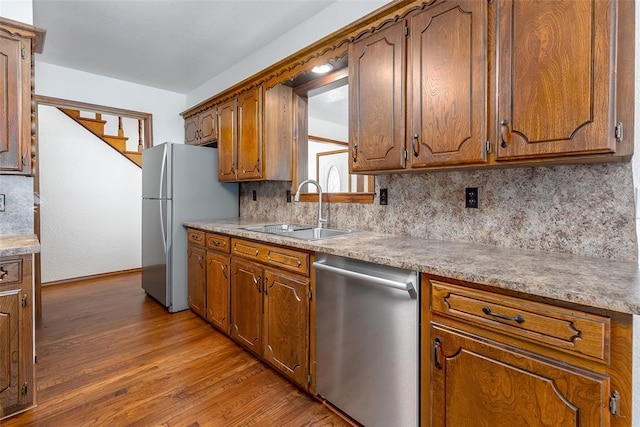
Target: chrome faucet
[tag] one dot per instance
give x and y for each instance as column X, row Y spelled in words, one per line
column 321, row 220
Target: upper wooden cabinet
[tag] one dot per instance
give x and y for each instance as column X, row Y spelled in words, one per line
column 445, row 82
column 376, row 100
column 249, row 148
column 557, row 71
column 201, row 129
column 17, row 42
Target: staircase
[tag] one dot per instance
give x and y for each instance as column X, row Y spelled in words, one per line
column 118, row 142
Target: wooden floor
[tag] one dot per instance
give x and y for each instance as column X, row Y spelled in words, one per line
column 110, row 356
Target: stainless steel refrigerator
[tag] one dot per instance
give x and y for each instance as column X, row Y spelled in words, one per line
column 179, row 183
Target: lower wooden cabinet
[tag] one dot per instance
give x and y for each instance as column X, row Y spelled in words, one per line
column 246, row 304
column 196, row 278
column 286, row 325
column 497, row 359
column 218, row 283
column 256, row 293
column 17, row 379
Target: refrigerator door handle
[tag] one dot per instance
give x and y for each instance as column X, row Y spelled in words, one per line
column 162, row 219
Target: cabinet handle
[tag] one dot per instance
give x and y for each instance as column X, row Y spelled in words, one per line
column 518, row 318
column 224, row 271
column 436, row 345
column 258, row 283
column 3, row 273
column 415, row 145
column 503, row 133
column 355, row 152
column 201, row 261
column 266, row 289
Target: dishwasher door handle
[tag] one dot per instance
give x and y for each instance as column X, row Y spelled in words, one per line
column 407, row 287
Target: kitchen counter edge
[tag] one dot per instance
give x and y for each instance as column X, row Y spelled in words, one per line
column 590, row 281
column 19, row 244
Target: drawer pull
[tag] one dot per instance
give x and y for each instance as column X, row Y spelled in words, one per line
column 3, row 273
column 436, row 346
column 488, row 312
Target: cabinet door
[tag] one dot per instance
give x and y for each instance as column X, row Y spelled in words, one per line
column 196, row 279
column 218, row 291
column 555, row 84
column 191, row 130
column 377, row 100
column 447, row 84
column 286, row 325
column 227, row 141
column 9, row 352
column 208, row 126
column 246, row 305
column 15, row 108
column 486, row 384
column 250, row 134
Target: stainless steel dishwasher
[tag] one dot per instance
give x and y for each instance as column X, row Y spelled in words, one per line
column 367, row 342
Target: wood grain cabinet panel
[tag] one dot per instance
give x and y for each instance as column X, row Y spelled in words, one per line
column 286, row 325
column 9, row 352
column 377, row 100
column 448, row 84
column 15, row 108
column 557, row 82
column 196, row 278
column 250, row 135
column 479, row 383
column 201, row 129
column 246, row 304
column 217, row 293
column 227, row 140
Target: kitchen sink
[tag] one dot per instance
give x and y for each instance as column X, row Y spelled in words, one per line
column 299, row 231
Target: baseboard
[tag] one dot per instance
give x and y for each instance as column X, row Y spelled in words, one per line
column 93, row 277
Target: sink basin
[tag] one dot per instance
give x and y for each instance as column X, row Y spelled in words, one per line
column 299, row 231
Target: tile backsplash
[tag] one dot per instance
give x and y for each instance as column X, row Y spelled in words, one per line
column 579, row 209
column 17, row 217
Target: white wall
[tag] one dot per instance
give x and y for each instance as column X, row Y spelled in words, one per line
column 334, row 17
column 91, row 195
column 18, row 10
column 90, row 202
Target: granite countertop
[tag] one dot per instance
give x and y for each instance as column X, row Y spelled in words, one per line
column 19, row 244
column 596, row 282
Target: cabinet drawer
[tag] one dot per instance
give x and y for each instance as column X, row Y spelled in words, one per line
column 10, row 273
column 283, row 258
column 568, row 330
column 218, row 242
column 196, row 236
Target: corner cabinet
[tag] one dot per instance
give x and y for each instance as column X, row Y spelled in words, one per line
column 17, row 44
column 17, row 377
column 256, row 135
column 491, row 359
column 196, row 272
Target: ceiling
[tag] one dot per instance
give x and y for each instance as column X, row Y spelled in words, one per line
column 168, row 44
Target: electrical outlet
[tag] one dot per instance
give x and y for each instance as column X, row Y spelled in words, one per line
column 1, row 202
column 254, row 195
column 471, row 199
column 288, row 196
column 384, row 196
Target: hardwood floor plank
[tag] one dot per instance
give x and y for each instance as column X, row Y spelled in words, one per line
column 110, row 356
